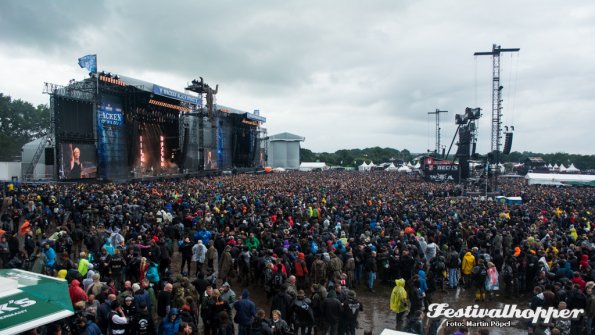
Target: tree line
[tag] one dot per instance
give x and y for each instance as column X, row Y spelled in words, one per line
column 20, row 123
column 355, row 157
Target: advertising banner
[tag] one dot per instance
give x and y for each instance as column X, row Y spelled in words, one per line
column 37, row 301
column 112, row 149
column 166, row 92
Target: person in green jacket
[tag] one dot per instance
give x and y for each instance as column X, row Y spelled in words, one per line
column 252, row 242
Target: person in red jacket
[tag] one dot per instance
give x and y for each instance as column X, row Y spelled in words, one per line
column 301, row 271
column 577, row 279
column 76, row 292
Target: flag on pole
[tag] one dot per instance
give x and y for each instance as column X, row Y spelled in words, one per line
column 89, row 62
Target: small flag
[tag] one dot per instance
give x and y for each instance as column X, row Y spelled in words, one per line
column 89, row 62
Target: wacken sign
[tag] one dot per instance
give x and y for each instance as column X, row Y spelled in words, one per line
column 439, row 170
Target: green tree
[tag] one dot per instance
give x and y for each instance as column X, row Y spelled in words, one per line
column 20, row 122
column 307, row 155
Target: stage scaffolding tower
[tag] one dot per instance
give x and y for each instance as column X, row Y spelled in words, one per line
column 437, row 113
column 496, row 106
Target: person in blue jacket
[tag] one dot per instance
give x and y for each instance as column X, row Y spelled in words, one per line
column 170, row 325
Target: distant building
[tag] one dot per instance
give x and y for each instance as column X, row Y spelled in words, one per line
column 284, row 151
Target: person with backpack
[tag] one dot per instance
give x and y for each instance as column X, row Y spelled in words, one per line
column 479, row 275
column 277, row 279
column 453, row 263
column 301, row 271
column 302, row 314
column 351, row 309
column 282, row 301
column 491, row 283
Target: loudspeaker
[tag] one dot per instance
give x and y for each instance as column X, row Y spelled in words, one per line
column 507, row 143
column 49, row 156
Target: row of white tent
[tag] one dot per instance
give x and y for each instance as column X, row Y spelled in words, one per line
column 562, row 168
column 389, row 167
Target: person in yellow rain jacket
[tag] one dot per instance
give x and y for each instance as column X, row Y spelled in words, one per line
column 573, row 232
column 399, row 302
column 466, row 267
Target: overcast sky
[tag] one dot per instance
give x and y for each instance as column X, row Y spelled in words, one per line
column 343, row 74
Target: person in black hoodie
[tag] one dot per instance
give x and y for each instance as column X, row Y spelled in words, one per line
column 143, row 323
column 185, row 248
column 302, row 314
column 331, row 313
column 351, row 309
column 282, row 301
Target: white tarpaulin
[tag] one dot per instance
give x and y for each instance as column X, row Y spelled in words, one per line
column 558, row 179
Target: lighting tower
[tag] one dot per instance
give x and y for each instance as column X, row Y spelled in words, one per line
column 437, row 113
column 496, row 104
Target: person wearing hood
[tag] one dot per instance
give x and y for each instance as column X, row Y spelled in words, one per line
column 87, row 326
column 331, row 309
column 199, row 252
column 89, row 280
column 76, row 292
column 301, row 270
column 302, row 313
column 467, row 266
column 245, row 312
column 225, row 264
column 399, row 302
column 227, row 294
column 170, row 324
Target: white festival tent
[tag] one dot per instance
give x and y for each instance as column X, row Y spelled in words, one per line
column 559, row 179
column 391, row 167
column 572, row 169
column 405, row 169
column 562, row 168
column 363, row 167
column 417, row 165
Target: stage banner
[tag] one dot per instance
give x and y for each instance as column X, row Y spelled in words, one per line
column 112, row 149
column 166, row 92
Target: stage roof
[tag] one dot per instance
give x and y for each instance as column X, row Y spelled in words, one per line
column 286, row 137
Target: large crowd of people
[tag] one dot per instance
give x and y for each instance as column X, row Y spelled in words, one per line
column 167, row 257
